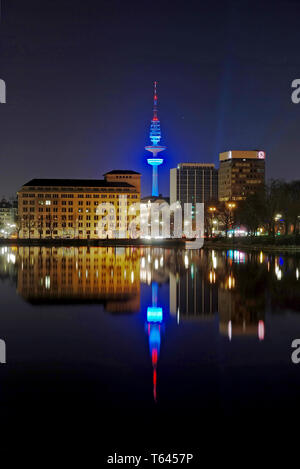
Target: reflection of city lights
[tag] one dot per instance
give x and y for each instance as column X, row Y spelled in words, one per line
column 214, row 259
column 261, row 330
column 156, row 264
column 229, row 330
column 161, row 262
column 212, row 276
column 231, row 282
column 261, row 257
column 278, row 272
column 154, row 314
column 47, row 281
column 11, row 258
column 132, row 277
column 143, row 262
column 297, row 274
column 186, row 261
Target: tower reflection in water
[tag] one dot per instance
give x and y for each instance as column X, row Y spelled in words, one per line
column 154, row 325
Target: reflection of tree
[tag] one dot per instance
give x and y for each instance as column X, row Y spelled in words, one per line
column 285, row 294
column 251, row 285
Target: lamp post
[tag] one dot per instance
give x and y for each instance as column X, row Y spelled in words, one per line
column 212, row 211
column 231, row 206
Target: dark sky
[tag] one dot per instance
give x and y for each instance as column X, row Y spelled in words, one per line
column 79, row 85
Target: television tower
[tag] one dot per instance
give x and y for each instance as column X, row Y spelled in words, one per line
column 155, row 148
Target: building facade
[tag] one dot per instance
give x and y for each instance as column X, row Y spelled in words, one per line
column 120, row 175
column 193, row 182
column 76, row 208
column 240, row 174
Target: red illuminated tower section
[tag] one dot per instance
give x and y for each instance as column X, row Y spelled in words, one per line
column 155, row 148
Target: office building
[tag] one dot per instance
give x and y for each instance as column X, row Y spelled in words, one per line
column 241, row 173
column 72, row 208
column 193, row 182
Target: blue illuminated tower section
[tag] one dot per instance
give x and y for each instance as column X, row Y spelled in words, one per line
column 155, row 148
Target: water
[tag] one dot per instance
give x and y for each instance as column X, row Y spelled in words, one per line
column 148, row 346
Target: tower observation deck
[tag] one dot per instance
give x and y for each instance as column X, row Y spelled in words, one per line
column 155, row 148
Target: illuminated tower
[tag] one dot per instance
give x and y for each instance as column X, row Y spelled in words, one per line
column 155, row 148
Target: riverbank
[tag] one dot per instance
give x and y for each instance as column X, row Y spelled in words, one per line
column 268, row 244
column 166, row 243
column 250, row 244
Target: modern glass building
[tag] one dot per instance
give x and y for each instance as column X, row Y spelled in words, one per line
column 193, row 182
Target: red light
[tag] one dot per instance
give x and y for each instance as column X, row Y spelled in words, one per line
column 154, row 357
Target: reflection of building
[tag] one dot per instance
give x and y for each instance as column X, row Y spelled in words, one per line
column 71, row 207
column 193, row 295
column 70, row 275
column 193, row 182
column 240, row 174
column 8, row 267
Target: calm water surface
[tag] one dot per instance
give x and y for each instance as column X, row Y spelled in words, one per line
column 150, row 346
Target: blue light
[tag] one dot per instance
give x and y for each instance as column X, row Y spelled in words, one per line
column 154, row 314
column 155, row 161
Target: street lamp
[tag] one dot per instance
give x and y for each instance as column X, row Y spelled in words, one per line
column 212, row 211
column 231, row 206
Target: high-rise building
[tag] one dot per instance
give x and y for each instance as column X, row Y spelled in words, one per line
column 240, row 174
column 69, row 208
column 193, row 182
column 155, row 148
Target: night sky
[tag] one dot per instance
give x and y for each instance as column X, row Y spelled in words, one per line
column 79, row 80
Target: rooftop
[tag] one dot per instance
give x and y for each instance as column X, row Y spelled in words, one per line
column 75, row 183
column 121, row 171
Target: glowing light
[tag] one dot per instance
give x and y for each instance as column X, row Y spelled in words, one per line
column 212, row 277
column 47, row 281
column 278, row 272
column 229, row 330
column 261, row 257
column 261, row 330
column 154, row 314
column 214, row 259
